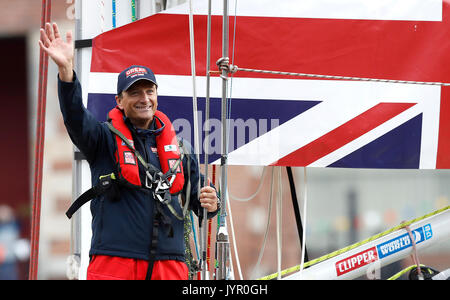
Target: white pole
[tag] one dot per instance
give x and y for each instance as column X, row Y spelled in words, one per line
column 89, row 24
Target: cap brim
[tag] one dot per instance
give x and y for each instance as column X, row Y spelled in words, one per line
column 136, row 80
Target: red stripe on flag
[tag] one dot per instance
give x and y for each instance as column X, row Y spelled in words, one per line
column 364, row 48
column 443, row 153
column 343, row 134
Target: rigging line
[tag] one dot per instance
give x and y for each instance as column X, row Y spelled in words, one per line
column 224, row 75
column 304, row 254
column 279, row 226
column 238, row 263
column 298, row 217
column 397, row 275
column 229, row 95
column 133, row 11
column 337, row 77
column 114, row 24
column 213, row 181
column 258, row 189
column 208, row 86
column 414, row 254
column 204, row 226
column 208, row 252
column 194, row 234
column 261, row 251
column 194, row 88
column 102, row 16
column 358, row 244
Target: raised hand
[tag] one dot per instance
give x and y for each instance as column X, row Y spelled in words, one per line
column 60, row 51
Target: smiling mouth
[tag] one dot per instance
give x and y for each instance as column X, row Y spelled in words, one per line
column 143, row 107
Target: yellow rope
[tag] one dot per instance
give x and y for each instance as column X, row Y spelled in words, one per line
column 343, row 250
column 394, row 277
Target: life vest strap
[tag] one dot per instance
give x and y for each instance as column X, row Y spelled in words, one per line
column 146, row 165
column 105, row 184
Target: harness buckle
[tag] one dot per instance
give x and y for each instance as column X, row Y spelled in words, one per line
column 106, row 181
column 161, row 192
column 149, row 180
column 160, row 185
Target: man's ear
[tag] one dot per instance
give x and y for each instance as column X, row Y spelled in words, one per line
column 119, row 101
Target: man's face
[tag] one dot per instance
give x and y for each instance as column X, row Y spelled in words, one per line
column 139, row 103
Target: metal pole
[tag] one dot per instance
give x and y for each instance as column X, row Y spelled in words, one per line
column 223, row 246
column 75, row 225
column 207, row 104
column 224, row 77
column 39, row 149
column 208, row 83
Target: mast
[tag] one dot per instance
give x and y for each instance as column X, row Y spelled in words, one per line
column 204, row 266
column 222, row 242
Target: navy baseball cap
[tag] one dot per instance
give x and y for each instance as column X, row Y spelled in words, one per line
column 132, row 74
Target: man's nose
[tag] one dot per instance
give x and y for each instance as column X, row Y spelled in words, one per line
column 145, row 97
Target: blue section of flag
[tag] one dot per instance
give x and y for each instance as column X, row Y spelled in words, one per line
column 100, row 104
column 397, row 149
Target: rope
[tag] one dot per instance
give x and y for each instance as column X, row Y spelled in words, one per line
column 133, row 11
column 194, row 234
column 258, row 189
column 414, row 255
column 397, row 275
column 238, row 264
column 339, row 77
column 351, row 247
column 204, row 226
column 208, row 254
column 114, row 14
column 102, row 16
column 278, row 219
column 261, row 251
column 223, row 64
column 230, row 88
column 302, row 262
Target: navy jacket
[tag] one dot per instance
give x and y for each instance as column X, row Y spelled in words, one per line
column 124, row 227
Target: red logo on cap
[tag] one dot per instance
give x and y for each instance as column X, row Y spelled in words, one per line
column 137, row 71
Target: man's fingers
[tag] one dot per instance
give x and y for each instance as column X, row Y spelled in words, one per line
column 49, row 31
column 42, row 46
column 56, row 31
column 207, row 189
column 44, row 38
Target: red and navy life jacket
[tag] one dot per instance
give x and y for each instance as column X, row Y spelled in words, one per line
column 127, row 157
column 167, row 148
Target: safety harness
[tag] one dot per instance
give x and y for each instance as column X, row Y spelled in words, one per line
column 162, row 183
column 169, row 181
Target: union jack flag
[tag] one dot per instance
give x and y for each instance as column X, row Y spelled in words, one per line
column 282, row 120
